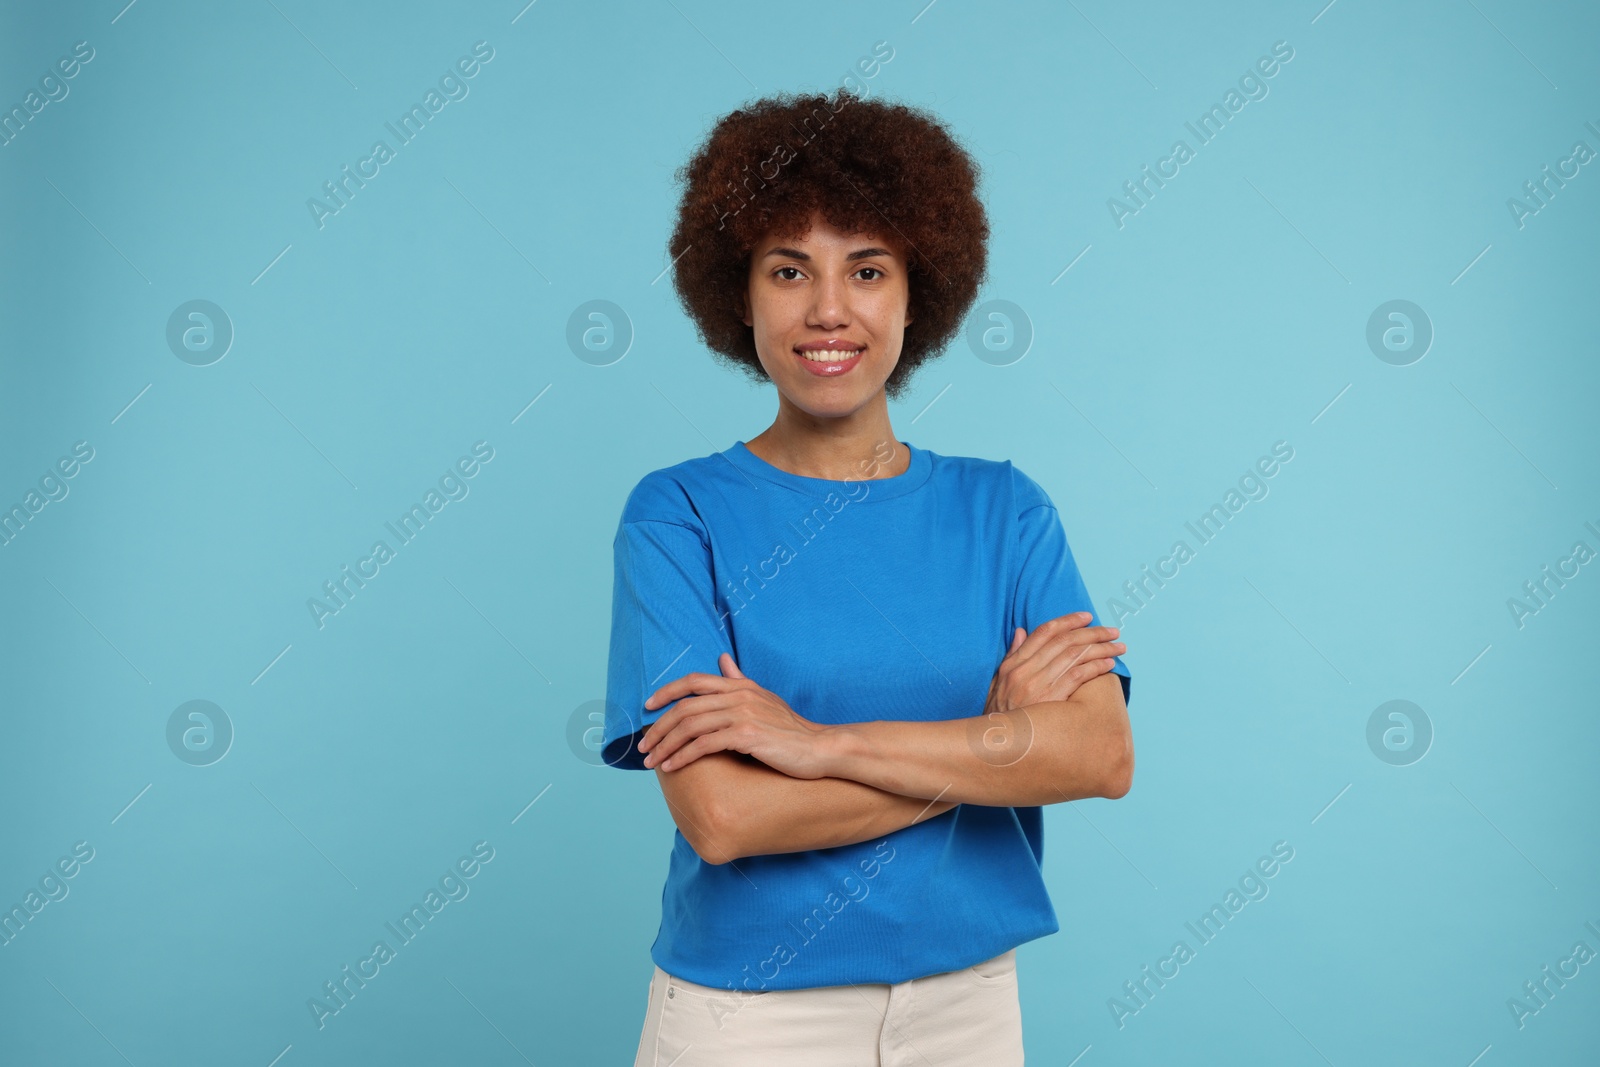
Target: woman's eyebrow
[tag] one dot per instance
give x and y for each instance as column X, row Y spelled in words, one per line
column 795, row 253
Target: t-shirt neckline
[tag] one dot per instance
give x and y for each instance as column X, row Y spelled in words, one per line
column 879, row 488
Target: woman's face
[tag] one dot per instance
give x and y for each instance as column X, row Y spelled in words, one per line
column 828, row 286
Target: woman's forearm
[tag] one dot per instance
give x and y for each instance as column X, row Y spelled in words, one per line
column 1045, row 753
column 761, row 811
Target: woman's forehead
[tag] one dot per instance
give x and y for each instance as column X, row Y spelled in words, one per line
column 822, row 234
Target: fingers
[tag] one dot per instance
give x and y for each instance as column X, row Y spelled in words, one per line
column 685, row 709
column 697, row 682
column 1055, row 680
column 1065, row 674
column 1066, row 630
column 1059, row 656
column 700, row 746
column 681, row 733
column 707, row 742
column 1063, row 656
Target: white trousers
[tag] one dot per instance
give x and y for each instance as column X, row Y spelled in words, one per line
column 965, row 1018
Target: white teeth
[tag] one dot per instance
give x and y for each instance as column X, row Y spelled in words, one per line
column 816, row 355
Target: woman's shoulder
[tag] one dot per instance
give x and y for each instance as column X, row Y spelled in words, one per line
column 1000, row 478
column 668, row 494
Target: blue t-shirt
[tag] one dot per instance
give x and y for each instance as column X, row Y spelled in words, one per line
column 883, row 598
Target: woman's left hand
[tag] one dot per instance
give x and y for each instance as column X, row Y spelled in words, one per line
column 735, row 714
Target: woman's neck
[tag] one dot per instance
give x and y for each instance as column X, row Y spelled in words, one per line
column 833, row 452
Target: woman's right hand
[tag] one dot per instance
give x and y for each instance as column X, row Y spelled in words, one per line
column 1052, row 662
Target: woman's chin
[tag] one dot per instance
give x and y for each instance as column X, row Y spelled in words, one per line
column 829, row 407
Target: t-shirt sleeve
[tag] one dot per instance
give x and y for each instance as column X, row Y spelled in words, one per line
column 664, row 624
column 1048, row 581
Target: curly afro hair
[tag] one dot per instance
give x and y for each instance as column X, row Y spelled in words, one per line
column 868, row 167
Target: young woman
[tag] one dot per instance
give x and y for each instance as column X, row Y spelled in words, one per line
column 857, row 667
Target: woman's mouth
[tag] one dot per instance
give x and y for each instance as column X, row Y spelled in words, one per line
column 827, row 363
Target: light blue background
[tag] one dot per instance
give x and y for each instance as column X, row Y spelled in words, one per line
column 430, row 713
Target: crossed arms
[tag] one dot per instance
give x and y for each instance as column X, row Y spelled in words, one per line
column 882, row 776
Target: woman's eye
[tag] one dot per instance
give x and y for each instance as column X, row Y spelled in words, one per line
column 786, row 277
